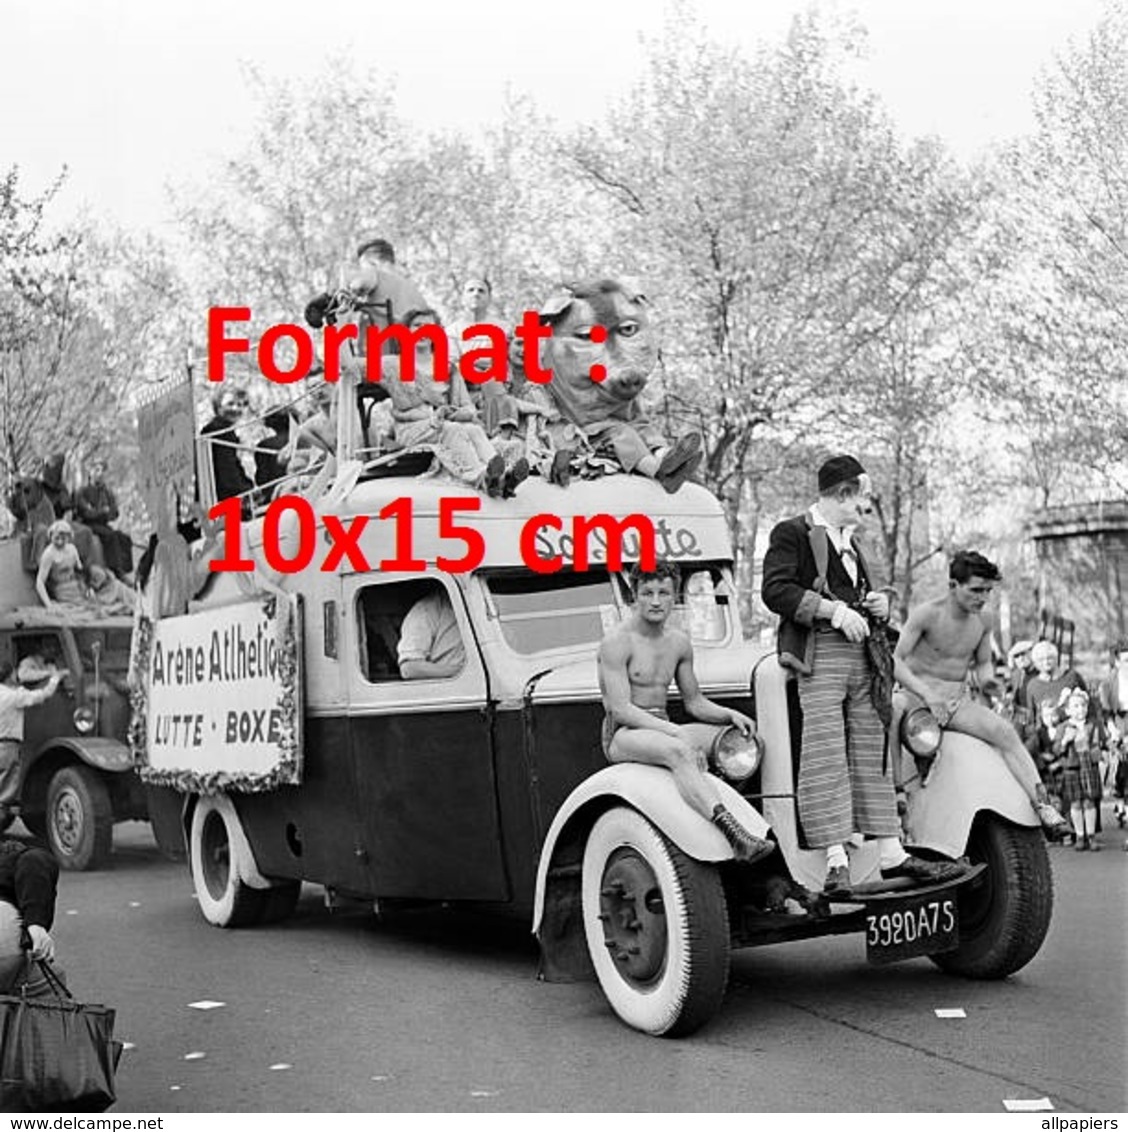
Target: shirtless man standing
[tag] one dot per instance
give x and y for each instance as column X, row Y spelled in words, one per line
column 940, row 642
column 637, row 660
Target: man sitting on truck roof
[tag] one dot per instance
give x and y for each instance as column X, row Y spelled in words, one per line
column 637, row 660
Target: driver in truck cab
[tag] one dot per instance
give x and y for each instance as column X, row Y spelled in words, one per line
column 844, row 781
column 637, row 661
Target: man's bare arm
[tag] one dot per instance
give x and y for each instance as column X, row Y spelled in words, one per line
column 697, row 704
column 615, row 684
column 984, row 665
column 911, row 634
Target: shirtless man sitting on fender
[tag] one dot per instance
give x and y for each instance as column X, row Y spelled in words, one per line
column 940, row 642
column 637, row 660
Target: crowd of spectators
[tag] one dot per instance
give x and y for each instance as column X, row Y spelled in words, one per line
column 1077, row 735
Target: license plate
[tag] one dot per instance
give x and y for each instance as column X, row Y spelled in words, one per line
column 903, row 928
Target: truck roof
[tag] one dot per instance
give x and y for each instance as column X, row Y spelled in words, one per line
column 37, row 617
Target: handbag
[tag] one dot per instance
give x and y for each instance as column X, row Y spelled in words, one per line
column 56, row 1054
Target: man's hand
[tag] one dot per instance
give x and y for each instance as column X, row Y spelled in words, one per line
column 42, row 945
column 850, row 624
column 937, row 706
column 740, row 721
column 877, row 605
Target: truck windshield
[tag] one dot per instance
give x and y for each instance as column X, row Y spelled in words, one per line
column 113, row 648
column 558, row 611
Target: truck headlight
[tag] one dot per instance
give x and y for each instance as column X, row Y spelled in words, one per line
column 83, row 720
column 734, row 757
column 920, row 732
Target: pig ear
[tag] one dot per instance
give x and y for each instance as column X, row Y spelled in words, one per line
column 557, row 303
column 633, row 289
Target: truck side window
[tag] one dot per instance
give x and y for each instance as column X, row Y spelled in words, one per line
column 408, row 631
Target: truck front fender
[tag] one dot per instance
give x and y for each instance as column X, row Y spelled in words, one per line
column 650, row 790
column 105, row 754
column 968, row 776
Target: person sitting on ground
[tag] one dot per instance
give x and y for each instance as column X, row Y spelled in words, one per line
column 1076, row 749
column 96, row 505
column 430, row 644
column 941, row 643
column 28, row 882
column 827, row 609
column 59, row 581
column 637, row 661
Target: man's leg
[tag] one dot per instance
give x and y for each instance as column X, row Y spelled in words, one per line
column 9, row 776
column 687, row 763
column 976, row 719
column 875, row 800
column 972, row 718
column 825, row 806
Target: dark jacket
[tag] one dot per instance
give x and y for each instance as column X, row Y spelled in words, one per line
column 790, row 574
column 230, row 479
column 28, row 878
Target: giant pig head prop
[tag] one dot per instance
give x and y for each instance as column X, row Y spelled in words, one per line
column 628, row 353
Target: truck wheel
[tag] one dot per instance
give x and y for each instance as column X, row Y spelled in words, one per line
column 1004, row 916
column 79, row 819
column 656, row 924
column 225, row 898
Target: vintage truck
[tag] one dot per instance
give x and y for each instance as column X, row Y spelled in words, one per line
column 282, row 745
column 76, row 774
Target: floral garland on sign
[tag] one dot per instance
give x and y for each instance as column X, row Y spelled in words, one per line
column 286, row 772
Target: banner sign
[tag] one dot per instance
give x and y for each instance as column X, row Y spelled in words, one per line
column 221, row 705
column 166, row 431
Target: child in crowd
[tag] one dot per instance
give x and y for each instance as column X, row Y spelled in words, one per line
column 1076, row 749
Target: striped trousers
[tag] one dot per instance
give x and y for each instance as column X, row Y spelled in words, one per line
column 841, row 786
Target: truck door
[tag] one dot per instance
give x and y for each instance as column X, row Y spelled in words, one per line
column 419, row 735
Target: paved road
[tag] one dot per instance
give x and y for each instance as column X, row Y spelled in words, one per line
column 439, row 1011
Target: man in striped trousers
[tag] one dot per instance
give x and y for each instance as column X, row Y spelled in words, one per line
column 845, row 785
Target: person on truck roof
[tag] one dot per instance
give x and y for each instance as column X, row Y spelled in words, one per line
column 58, row 581
column 229, row 406
column 637, row 661
column 827, row 610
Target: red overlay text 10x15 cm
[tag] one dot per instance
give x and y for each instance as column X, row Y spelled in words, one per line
column 343, row 538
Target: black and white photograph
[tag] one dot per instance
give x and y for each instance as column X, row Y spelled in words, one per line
column 563, row 559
